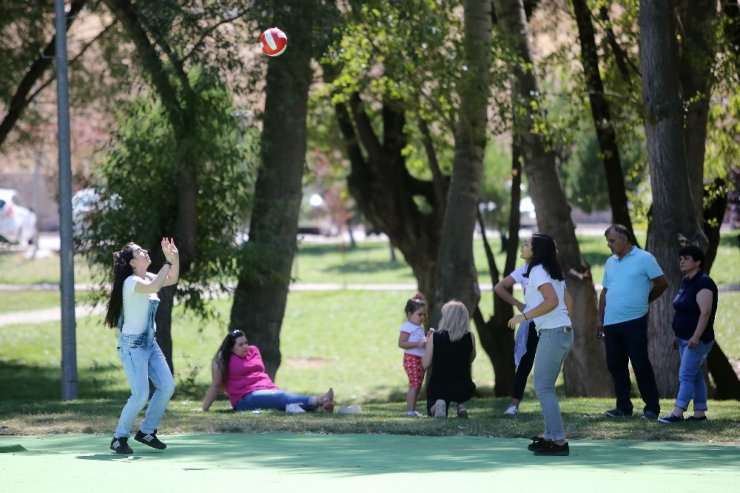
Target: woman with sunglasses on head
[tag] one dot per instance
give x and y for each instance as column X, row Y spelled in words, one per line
column 238, row 369
column 548, row 305
column 132, row 306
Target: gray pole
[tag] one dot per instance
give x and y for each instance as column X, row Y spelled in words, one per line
column 69, row 343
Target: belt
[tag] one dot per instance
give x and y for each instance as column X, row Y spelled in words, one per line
column 565, row 328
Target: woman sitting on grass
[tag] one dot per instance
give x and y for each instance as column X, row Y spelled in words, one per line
column 238, row 369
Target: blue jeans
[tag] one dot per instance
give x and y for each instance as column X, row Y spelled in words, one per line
column 273, row 399
column 691, row 375
column 142, row 360
column 553, row 346
column 627, row 342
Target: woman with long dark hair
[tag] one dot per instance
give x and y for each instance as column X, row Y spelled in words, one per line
column 132, row 305
column 238, row 369
column 547, row 304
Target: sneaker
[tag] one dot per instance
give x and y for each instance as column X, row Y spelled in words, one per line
column 462, row 413
column 150, row 439
column 552, row 448
column 650, row 416
column 537, row 443
column 294, row 408
column 413, row 414
column 120, row 445
column 440, row 409
column 671, row 418
column 512, row 411
column 696, row 418
column 617, row 413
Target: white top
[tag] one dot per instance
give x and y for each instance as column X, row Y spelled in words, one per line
column 135, row 307
column 416, row 334
column 558, row 317
column 518, row 276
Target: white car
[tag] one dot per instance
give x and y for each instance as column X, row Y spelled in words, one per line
column 17, row 223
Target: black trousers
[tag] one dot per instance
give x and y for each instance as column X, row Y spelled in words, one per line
column 627, row 342
column 525, row 364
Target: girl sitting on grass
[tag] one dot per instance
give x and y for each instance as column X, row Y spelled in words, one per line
column 238, row 369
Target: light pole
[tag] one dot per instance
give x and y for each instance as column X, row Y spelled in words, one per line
column 69, row 341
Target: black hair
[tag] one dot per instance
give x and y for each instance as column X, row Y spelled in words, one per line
column 545, row 253
column 121, row 271
column 694, row 252
column 624, row 231
column 223, row 355
column 415, row 303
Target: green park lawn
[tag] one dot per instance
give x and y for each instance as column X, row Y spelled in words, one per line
column 345, row 339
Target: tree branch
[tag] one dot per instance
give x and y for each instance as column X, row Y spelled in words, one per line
column 20, row 99
column 208, row 32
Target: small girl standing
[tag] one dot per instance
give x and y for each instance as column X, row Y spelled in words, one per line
column 413, row 341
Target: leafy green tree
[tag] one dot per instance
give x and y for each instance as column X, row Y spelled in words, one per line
column 139, row 202
column 267, row 258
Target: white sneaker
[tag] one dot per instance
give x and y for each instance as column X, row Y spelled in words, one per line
column 440, row 409
column 294, row 408
column 512, row 411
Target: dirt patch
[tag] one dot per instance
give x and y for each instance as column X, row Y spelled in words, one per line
column 305, row 362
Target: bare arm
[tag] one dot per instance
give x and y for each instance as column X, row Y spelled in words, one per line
column 216, row 385
column 600, row 314
column 660, row 284
column 704, row 300
column 403, row 342
column 549, row 303
column 503, row 290
column 426, row 360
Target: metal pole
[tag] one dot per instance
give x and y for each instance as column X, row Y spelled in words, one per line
column 69, row 343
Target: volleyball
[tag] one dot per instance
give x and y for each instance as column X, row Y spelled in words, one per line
column 273, row 42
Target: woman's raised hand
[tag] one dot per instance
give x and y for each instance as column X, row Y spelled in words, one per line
column 169, row 249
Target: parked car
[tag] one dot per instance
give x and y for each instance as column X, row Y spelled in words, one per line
column 85, row 203
column 17, row 223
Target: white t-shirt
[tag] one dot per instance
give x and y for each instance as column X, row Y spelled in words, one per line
column 135, row 307
column 518, row 276
column 416, row 334
column 558, row 317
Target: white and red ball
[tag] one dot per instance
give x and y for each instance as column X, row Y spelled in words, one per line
column 273, row 42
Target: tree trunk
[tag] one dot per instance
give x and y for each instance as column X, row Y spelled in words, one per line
column 727, row 385
column 673, row 210
column 456, row 275
column 262, row 289
column 384, row 190
column 181, row 116
column 495, row 337
column 585, row 367
column 601, row 115
column 698, row 19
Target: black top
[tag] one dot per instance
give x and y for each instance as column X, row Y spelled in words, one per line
column 687, row 309
column 451, row 379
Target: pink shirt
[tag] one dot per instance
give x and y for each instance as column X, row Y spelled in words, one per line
column 247, row 375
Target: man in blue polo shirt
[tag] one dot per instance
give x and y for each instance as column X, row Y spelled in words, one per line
column 632, row 279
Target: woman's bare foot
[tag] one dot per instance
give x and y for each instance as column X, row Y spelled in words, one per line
column 326, row 401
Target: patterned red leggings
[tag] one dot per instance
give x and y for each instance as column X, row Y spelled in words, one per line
column 412, row 365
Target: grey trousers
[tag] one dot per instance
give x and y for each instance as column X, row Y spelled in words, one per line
column 553, row 346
